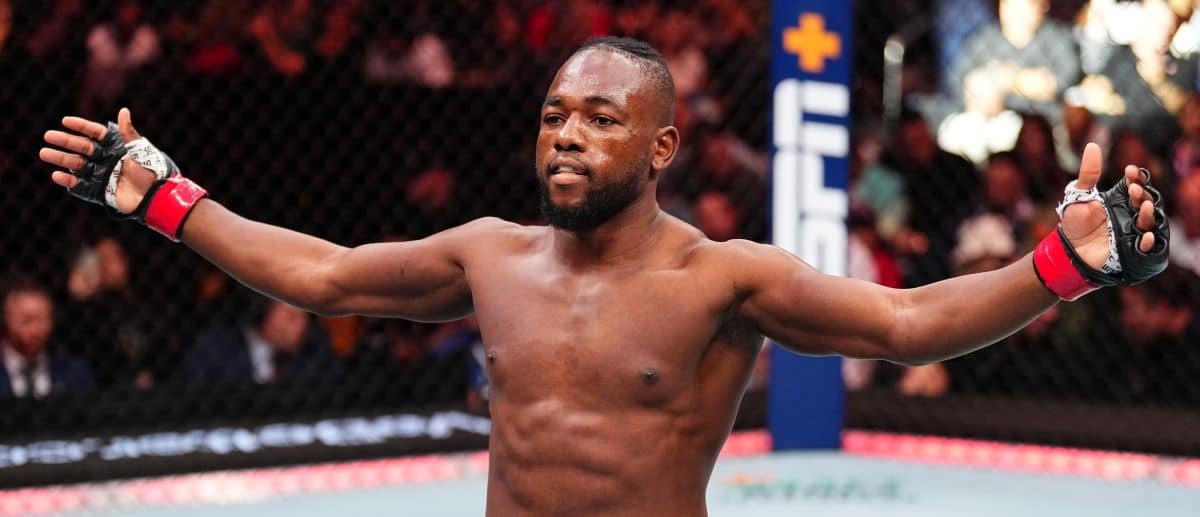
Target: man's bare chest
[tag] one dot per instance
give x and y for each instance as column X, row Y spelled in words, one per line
column 637, row 334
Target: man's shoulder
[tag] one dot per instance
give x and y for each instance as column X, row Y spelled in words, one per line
column 494, row 231
column 489, row 222
column 489, row 238
column 734, row 255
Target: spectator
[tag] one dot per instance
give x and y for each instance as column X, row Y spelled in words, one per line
column 1031, row 59
column 110, row 327
column 637, row 18
column 984, row 126
column 721, row 161
column 1100, row 24
column 1185, row 226
column 985, row 242
column 422, row 362
column 485, row 55
column 676, row 37
column 717, row 216
column 459, row 343
column 285, row 31
column 1157, row 319
column 116, row 49
column 954, row 23
column 56, row 48
column 876, row 187
column 870, row 258
column 1143, row 85
column 209, row 39
column 341, row 26
column 1129, row 147
column 432, row 194
column 396, row 56
column 940, row 190
column 31, row 370
column 1037, row 155
column 278, row 343
column 1006, row 191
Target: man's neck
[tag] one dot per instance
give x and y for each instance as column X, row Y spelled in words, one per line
column 623, row 236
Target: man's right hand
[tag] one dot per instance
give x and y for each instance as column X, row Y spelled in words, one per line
column 145, row 184
column 134, row 181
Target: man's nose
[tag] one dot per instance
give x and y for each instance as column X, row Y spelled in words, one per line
column 569, row 136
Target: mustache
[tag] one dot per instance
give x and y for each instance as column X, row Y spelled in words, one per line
column 551, row 167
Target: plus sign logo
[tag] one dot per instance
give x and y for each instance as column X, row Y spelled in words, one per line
column 812, row 43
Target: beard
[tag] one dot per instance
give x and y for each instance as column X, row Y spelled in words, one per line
column 599, row 205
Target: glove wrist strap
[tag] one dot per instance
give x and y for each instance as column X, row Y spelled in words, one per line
column 170, row 205
column 1053, row 266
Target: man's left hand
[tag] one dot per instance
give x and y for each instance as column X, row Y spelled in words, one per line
column 1086, row 224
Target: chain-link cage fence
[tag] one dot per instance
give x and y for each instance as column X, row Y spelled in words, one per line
column 971, row 117
column 355, row 121
column 360, row 121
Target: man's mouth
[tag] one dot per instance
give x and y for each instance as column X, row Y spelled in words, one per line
column 563, row 172
column 566, row 166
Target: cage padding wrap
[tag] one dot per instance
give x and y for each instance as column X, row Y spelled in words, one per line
column 1055, row 251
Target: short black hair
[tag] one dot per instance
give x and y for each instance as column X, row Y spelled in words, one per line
column 650, row 61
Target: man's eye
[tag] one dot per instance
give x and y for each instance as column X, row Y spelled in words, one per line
column 605, row 121
column 552, row 119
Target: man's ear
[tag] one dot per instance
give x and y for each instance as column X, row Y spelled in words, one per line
column 666, row 143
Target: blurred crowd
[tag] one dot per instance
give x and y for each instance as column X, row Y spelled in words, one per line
column 353, row 120
column 369, row 120
column 998, row 102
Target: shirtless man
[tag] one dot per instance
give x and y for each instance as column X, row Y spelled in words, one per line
column 619, row 339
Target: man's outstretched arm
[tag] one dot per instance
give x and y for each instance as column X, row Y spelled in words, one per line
column 419, row 280
column 813, row 313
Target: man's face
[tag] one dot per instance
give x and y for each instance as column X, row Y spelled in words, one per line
column 114, row 265
column 916, row 145
column 1023, row 16
column 1004, row 184
column 716, row 216
column 596, row 138
column 284, row 326
column 29, row 318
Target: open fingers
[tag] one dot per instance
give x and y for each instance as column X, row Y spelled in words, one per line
column 1135, row 175
column 1089, row 167
column 125, row 123
column 1145, row 217
column 64, row 179
column 1147, row 242
column 1137, row 194
column 65, row 160
column 74, row 143
column 93, row 130
column 1145, row 223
